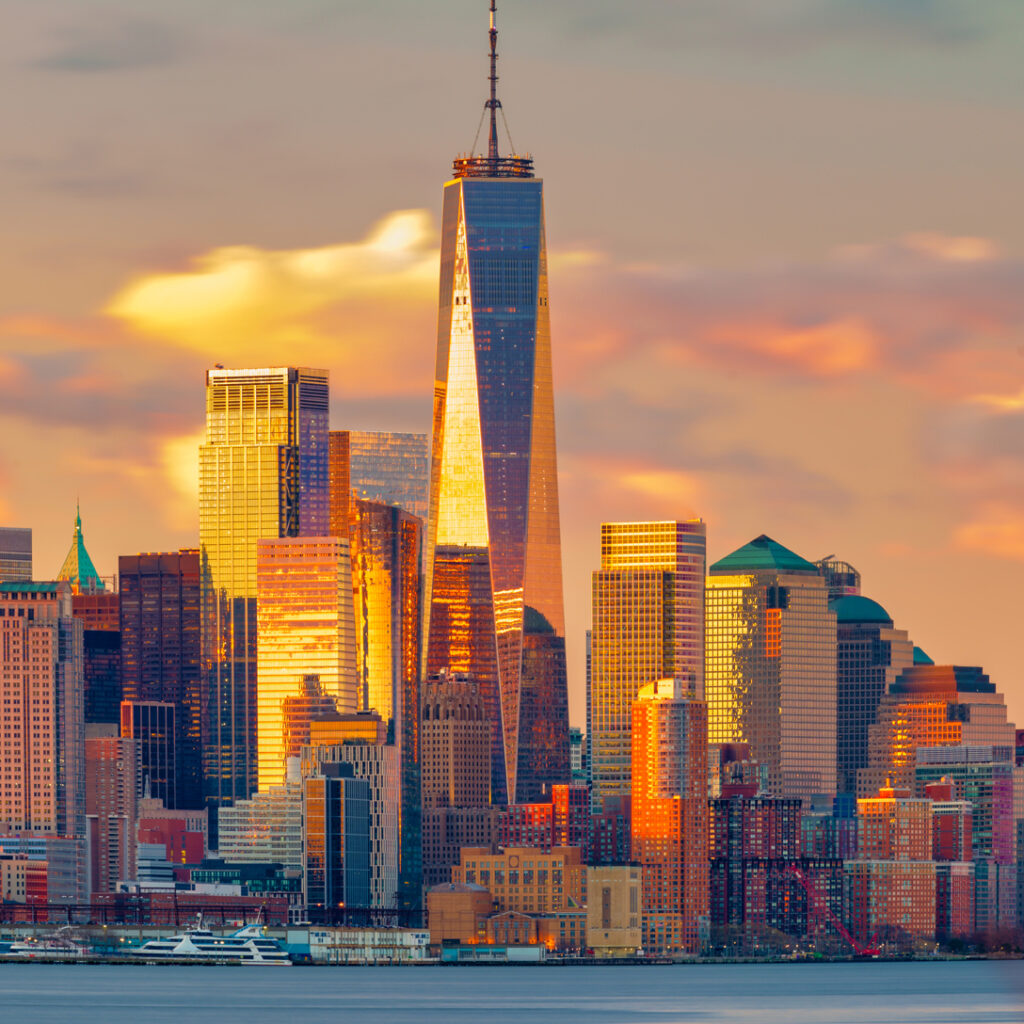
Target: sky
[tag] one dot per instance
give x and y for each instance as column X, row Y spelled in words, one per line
column 787, row 265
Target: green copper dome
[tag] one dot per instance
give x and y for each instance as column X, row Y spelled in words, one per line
column 762, row 553
column 855, row 608
column 78, row 569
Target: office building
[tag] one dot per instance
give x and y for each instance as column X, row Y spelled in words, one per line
column 153, row 725
column 526, row 880
column 335, row 842
column 870, row 654
column 770, row 676
column 15, row 554
column 493, row 515
column 670, row 815
column 648, row 624
column 378, row 765
column 306, row 629
column 42, row 744
column 931, row 706
column 263, row 473
column 159, row 596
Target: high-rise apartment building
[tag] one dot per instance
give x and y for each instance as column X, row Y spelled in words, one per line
column 306, row 629
column 870, row 654
column 670, row 814
column 263, row 473
column 15, row 554
column 42, row 742
column 493, row 475
column 111, row 806
column 770, row 676
column 891, row 885
column 648, row 624
column 159, row 596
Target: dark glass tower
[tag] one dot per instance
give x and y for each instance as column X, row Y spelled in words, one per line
column 493, row 475
column 161, row 656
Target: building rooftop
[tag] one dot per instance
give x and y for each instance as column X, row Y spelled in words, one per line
column 920, row 658
column 854, row 608
column 13, row 587
column 763, row 553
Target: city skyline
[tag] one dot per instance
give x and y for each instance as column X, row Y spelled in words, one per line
column 871, row 294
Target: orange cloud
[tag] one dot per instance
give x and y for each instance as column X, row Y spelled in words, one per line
column 354, row 308
column 953, row 248
column 998, row 531
column 825, row 350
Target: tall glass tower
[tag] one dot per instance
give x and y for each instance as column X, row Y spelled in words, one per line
column 494, row 572
column 262, row 474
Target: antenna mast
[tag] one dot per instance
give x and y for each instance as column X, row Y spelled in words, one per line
column 493, row 103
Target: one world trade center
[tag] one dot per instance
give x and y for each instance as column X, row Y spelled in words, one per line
column 494, row 572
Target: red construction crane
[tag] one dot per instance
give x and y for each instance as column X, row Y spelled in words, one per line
column 821, row 905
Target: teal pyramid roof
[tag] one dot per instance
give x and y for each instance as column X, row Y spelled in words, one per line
column 920, row 658
column 762, row 553
column 78, row 568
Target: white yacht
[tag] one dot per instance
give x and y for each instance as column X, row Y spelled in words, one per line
column 248, row 945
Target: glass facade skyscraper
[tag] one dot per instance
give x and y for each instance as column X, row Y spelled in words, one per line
column 306, row 635
column 648, row 624
column 160, row 652
column 493, row 476
column 263, row 473
column 389, row 467
column 770, row 670
column 870, row 654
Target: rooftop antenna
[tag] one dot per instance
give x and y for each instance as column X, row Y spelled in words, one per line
column 493, row 104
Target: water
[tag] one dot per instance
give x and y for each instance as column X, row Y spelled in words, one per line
column 854, row 993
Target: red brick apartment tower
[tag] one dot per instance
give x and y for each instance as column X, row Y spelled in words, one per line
column 670, row 815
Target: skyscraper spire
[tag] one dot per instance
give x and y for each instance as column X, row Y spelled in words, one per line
column 493, row 165
column 493, row 103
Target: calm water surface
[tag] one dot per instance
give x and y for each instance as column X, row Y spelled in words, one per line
column 914, row 993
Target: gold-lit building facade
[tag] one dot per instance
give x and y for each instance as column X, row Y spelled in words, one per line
column 375, row 478
column 306, row 630
column 931, row 706
column 670, row 815
column 263, row 473
column 648, row 624
column 387, row 545
column 770, row 666
column 494, row 518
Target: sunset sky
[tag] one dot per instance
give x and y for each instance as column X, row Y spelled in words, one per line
column 787, row 265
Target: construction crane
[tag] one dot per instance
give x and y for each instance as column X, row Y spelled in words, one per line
column 821, row 905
